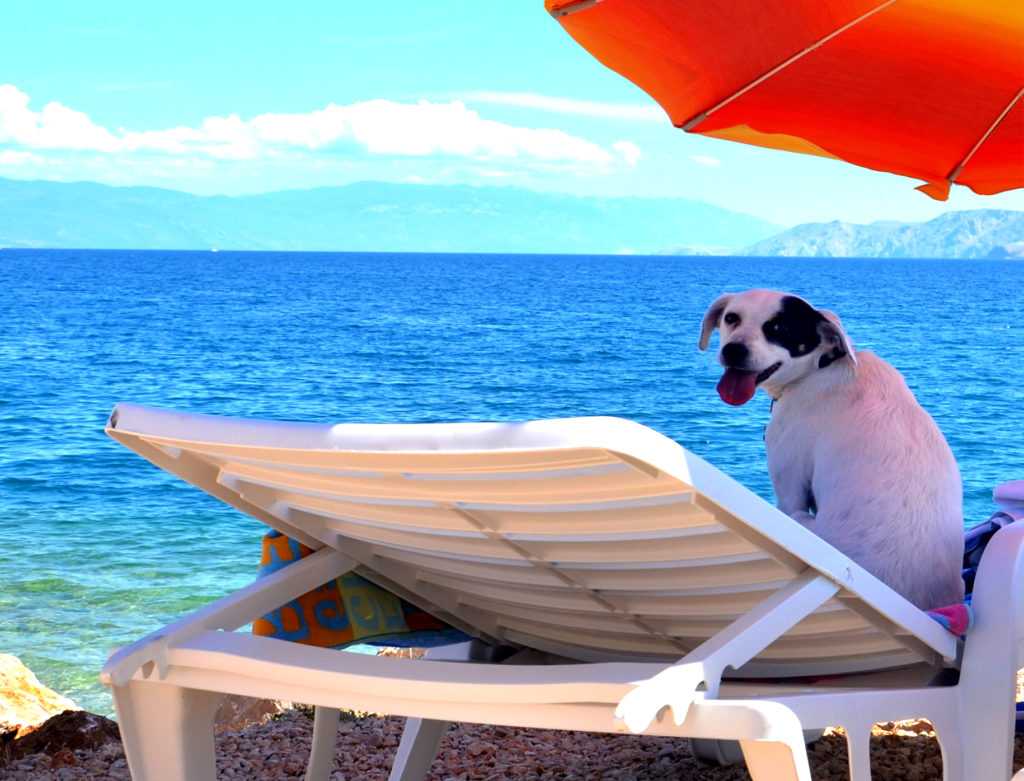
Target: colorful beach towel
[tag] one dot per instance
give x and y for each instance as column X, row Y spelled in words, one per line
column 347, row 611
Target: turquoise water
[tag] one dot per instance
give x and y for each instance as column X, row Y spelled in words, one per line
column 100, row 547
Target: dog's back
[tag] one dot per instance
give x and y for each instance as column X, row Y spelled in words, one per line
column 884, row 485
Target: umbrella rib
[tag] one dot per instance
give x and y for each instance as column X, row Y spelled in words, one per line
column 572, row 7
column 696, row 120
column 960, row 167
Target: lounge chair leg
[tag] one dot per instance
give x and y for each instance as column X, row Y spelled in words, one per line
column 950, row 733
column 858, row 751
column 776, row 761
column 985, row 747
column 421, row 739
column 167, row 731
column 325, row 738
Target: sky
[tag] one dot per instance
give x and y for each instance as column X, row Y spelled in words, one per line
column 230, row 98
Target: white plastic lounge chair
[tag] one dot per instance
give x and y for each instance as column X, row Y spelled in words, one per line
column 639, row 575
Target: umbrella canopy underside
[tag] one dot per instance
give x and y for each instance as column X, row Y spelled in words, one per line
column 930, row 89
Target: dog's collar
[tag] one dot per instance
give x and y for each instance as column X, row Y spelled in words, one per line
column 824, row 362
column 771, row 409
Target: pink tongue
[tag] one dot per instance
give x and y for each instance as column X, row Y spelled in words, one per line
column 737, row 387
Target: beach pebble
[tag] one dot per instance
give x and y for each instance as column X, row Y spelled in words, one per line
column 63, row 758
column 373, row 739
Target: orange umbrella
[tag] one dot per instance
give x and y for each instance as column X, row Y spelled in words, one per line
column 931, row 89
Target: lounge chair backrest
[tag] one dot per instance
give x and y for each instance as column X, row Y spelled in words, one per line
column 592, row 538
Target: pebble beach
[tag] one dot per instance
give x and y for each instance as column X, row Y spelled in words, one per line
column 263, row 740
column 279, row 749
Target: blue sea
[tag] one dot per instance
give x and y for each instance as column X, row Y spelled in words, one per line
column 100, row 547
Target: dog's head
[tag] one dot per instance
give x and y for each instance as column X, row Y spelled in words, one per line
column 771, row 340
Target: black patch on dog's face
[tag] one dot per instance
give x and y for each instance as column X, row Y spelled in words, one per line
column 794, row 327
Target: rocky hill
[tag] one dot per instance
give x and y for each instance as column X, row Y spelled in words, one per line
column 965, row 234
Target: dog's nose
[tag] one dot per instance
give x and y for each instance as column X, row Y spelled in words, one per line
column 734, row 354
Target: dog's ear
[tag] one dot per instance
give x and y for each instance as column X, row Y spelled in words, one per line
column 833, row 335
column 712, row 318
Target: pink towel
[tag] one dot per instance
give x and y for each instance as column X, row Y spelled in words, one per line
column 958, row 619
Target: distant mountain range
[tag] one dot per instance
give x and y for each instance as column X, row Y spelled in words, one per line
column 366, row 216
column 377, row 216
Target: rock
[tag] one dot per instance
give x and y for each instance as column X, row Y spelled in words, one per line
column 237, row 712
column 63, row 758
column 24, row 701
column 71, row 730
column 374, row 739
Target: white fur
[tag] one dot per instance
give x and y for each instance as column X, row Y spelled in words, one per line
column 852, row 436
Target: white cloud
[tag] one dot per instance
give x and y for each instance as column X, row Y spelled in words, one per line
column 629, row 151
column 644, row 113
column 55, row 127
column 171, row 142
column 59, row 127
column 17, row 123
column 374, row 128
column 384, row 127
column 13, row 158
column 705, row 160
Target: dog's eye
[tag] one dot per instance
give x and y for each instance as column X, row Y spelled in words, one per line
column 779, row 328
column 731, row 318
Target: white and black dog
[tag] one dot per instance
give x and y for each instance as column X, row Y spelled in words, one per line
column 851, row 454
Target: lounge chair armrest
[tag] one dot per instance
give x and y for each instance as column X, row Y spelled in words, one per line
column 997, row 599
column 678, row 686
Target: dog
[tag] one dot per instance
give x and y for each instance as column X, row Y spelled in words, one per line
column 851, row 454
